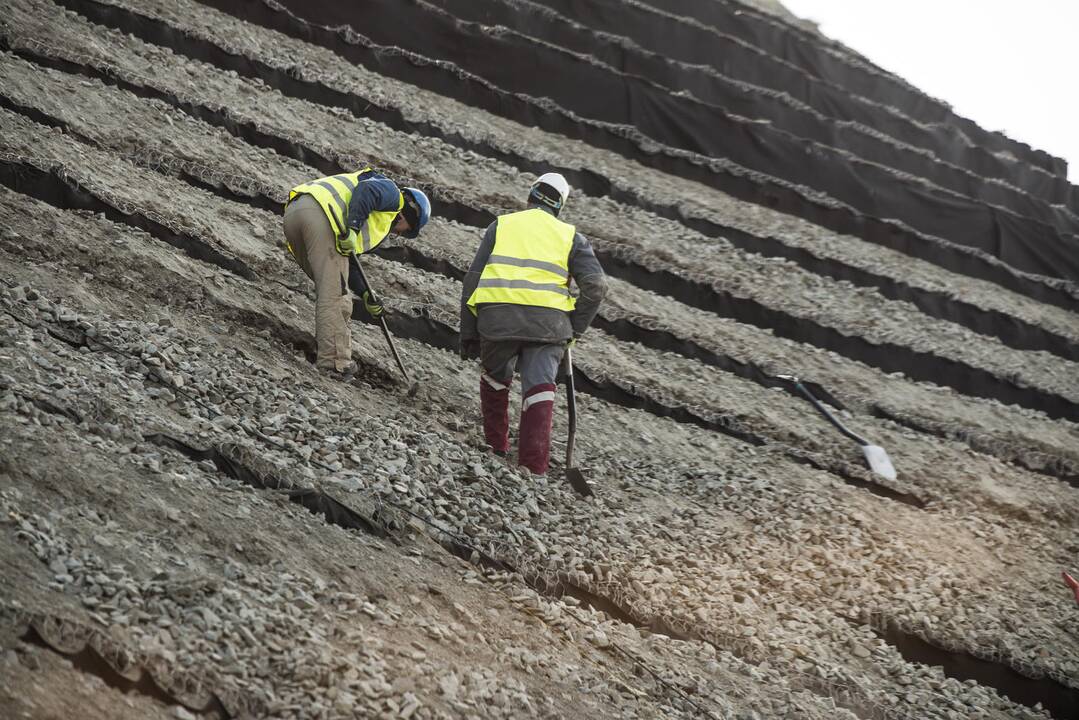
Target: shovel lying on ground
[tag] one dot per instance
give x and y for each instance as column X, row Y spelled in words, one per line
column 382, row 320
column 875, row 455
column 573, row 474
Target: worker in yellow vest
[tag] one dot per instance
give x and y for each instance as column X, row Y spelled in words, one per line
column 517, row 313
column 327, row 221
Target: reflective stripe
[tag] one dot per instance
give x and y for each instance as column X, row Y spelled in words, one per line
column 529, row 263
column 342, row 208
column 492, row 382
column 522, row 262
column 333, row 194
column 523, row 285
column 545, row 396
column 347, row 180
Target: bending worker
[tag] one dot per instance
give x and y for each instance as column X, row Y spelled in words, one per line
column 329, row 220
column 518, row 313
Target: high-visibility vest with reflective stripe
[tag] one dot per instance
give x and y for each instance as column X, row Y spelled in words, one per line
column 334, row 193
column 529, row 264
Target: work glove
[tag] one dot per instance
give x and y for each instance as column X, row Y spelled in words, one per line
column 348, row 244
column 470, row 348
column 573, row 340
column 372, row 306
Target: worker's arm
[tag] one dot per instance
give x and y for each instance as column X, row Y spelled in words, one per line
column 374, row 194
column 472, row 279
column 590, row 278
column 355, row 280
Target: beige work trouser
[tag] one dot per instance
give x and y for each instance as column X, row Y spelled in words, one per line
column 313, row 246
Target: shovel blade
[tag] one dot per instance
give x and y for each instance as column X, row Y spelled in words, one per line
column 879, row 462
column 578, row 483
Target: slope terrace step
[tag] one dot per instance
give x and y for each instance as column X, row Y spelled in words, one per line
column 736, row 180
column 829, row 61
column 626, row 388
column 430, row 113
column 628, row 258
column 847, row 122
column 650, row 114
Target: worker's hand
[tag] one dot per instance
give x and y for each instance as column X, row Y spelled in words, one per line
column 573, row 340
column 349, row 244
column 372, row 306
column 470, row 348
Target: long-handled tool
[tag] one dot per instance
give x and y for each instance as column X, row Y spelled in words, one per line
column 878, row 459
column 382, row 320
column 573, row 474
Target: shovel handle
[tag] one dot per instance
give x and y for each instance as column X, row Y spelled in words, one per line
column 829, row 416
column 393, row 349
column 381, row 319
column 573, row 475
column 571, row 408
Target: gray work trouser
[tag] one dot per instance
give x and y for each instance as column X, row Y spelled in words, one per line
column 313, row 245
column 538, row 365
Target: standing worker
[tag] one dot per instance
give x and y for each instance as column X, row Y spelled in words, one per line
column 331, row 219
column 518, row 313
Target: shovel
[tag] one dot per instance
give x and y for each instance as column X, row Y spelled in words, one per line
column 382, row 320
column 875, row 455
column 573, row 474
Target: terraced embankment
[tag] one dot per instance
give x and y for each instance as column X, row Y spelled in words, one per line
column 250, row 123
column 737, row 559
column 777, row 41
column 232, row 42
column 634, row 321
column 232, row 291
column 975, row 174
column 734, row 71
column 639, row 115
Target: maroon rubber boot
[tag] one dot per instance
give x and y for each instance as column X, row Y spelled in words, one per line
column 495, row 407
column 534, row 441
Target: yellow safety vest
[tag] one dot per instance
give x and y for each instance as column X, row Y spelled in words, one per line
column 529, row 264
column 334, row 194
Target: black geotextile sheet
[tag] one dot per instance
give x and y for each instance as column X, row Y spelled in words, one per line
column 761, row 103
column 805, row 50
column 592, row 92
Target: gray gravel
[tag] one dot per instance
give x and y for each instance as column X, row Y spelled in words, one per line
column 315, row 63
column 762, row 514
column 863, row 312
column 750, row 580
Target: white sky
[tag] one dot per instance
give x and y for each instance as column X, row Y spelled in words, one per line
column 1008, row 65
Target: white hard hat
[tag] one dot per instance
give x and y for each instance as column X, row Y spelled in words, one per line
column 556, row 182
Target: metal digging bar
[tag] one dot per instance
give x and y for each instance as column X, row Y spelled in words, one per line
column 573, row 474
column 381, row 319
column 875, row 456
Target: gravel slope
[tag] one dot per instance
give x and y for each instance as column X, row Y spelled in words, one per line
column 736, row 562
